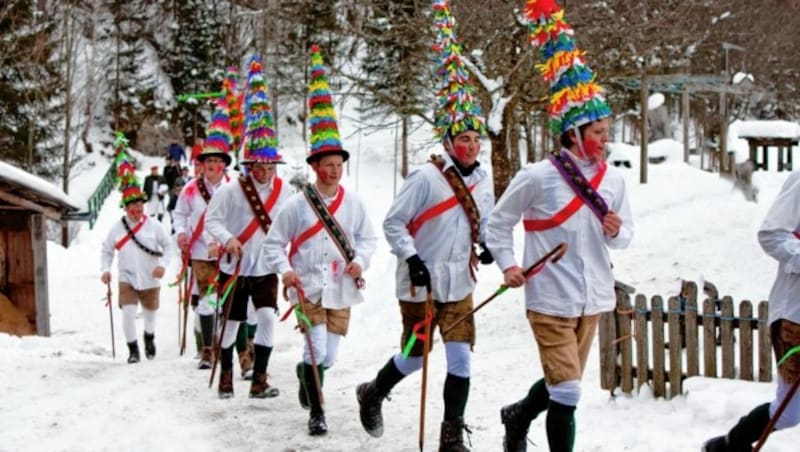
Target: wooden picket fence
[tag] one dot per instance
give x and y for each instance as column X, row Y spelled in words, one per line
column 634, row 349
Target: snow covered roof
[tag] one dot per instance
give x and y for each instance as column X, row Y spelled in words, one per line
column 23, row 189
column 768, row 129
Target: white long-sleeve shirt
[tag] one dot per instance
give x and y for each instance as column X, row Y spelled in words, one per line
column 135, row 266
column 188, row 210
column 778, row 240
column 228, row 215
column 318, row 262
column 444, row 242
column 581, row 282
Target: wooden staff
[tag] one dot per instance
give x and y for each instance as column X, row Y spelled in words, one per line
column 553, row 256
column 306, row 329
column 427, row 347
column 111, row 319
column 187, row 287
column 774, row 419
column 225, row 315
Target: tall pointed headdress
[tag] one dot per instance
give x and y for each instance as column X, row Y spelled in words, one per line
column 322, row 123
column 260, row 139
column 575, row 98
column 457, row 110
column 218, row 135
column 129, row 184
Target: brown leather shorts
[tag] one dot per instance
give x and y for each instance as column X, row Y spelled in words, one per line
column 564, row 344
column 785, row 335
column 129, row 295
column 444, row 314
column 336, row 320
column 202, row 271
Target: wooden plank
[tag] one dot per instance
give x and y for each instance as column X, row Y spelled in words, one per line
column 640, row 326
column 39, row 247
column 21, row 273
column 726, row 337
column 675, row 335
column 608, row 353
column 745, row 341
column 18, row 201
column 692, row 343
column 657, row 323
column 625, row 316
column 709, row 339
column 764, row 344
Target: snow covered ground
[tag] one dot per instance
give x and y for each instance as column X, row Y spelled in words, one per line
column 66, row 393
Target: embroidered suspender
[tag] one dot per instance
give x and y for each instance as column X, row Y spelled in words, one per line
column 260, row 211
column 310, row 232
column 132, row 235
column 201, row 187
column 332, row 226
column 578, row 183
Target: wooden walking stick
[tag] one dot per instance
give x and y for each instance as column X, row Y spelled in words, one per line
column 187, row 287
column 111, row 319
column 427, row 347
column 784, row 403
column 226, row 289
column 552, row 256
column 304, row 323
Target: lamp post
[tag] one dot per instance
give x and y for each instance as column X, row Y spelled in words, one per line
column 723, row 111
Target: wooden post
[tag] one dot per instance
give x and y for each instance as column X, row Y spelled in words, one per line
column 726, row 337
column 675, row 335
column 723, row 131
column 765, row 157
column 643, row 95
column 692, row 351
column 745, row 341
column 640, row 325
column 709, row 339
column 657, row 322
column 764, row 344
column 608, row 351
column 39, row 245
column 753, row 152
column 685, row 111
column 625, row 347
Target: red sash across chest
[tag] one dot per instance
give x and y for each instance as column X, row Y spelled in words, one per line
column 564, row 214
column 433, row 212
column 128, row 236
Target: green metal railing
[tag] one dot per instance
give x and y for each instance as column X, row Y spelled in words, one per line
column 100, row 194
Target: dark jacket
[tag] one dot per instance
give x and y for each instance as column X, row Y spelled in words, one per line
column 148, row 184
column 171, row 174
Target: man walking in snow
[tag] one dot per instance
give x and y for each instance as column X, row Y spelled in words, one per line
column 572, row 197
column 779, row 236
column 155, row 187
column 144, row 250
column 195, row 243
column 433, row 227
column 332, row 242
column 239, row 217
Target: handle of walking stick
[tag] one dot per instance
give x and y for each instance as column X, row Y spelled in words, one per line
column 225, row 315
column 111, row 320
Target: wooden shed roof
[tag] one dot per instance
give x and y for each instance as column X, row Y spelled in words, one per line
column 21, row 190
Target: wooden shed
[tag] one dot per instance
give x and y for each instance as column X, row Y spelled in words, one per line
column 26, row 202
column 777, row 135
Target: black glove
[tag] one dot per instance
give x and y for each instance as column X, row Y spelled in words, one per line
column 485, row 257
column 418, row 272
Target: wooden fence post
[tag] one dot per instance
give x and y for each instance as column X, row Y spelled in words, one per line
column 624, row 314
column 726, row 336
column 640, row 325
column 675, row 339
column 764, row 344
column 657, row 321
column 709, row 339
column 608, row 350
column 746, row 340
column 692, row 344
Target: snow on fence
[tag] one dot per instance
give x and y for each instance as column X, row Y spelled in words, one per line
column 636, row 350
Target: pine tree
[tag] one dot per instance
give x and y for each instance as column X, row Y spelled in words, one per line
column 31, row 93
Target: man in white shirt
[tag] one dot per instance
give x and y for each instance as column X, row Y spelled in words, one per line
column 779, row 237
column 196, row 244
column 232, row 221
column 144, row 250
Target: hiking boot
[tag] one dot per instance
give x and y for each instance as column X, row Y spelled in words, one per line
column 149, row 345
column 246, row 364
column 516, row 424
column 302, row 394
column 369, row 408
column 451, row 437
column 205, row 359
column 133, row 349
column 225, row 388
column 260, row 389
column 716, row 444
column 317, row 425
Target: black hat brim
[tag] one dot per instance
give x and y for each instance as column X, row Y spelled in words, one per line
column 318, row 155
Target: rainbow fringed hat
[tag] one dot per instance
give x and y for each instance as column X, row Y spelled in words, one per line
column 233, row 102
column 218, row 135
column 457, row 110
column 325, row 138
column 260, row 140
column 126, row 173
column 575, row 98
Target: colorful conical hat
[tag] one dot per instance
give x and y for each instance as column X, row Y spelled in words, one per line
column 129, row 184
column 260, row 139
column 218, row 135
column 575, row 98
column 234, row 103
column 457, row 110
column 322, row 123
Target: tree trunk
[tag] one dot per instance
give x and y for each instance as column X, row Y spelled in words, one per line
column 530, row 139
column 404, row 148
column 500, row 165
column 513, row 127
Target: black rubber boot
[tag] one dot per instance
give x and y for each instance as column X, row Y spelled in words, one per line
column 149, row 345
column 370, row 397
column 742, row 436
column 302, row 394
column 316, row 421
column 133, row 350
column 517, row 417
column 560, row 427
column 225, row 388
